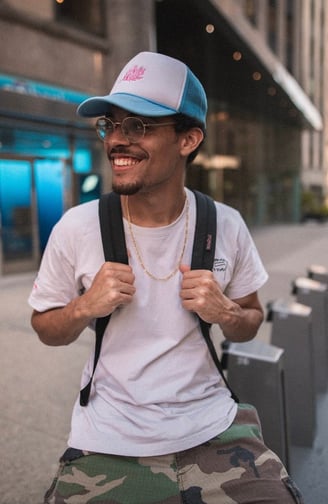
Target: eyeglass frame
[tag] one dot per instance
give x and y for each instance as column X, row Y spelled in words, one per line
column 115, row 124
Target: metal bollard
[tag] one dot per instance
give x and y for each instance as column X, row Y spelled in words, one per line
column 318, row 272
column 292, row 331
column 255, row 373
column 315, row 294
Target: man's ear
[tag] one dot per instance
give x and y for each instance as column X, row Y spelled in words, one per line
column 191, row 140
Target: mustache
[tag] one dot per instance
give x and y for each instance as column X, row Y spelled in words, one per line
column 126, row 151
column 120, row 150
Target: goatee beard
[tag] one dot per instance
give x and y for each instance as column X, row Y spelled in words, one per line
column 127, row 189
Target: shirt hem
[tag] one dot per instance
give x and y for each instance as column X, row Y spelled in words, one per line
column 161, row 448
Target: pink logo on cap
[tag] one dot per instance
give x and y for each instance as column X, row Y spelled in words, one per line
column 135, row 73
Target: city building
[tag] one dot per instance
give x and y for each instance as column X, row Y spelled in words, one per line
column 262, row 63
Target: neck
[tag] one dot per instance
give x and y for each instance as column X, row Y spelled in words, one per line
column 153, row 210
column 139, row 254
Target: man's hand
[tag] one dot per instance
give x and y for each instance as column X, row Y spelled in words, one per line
column 239, row 319
column 201, row 294
column 112, row 286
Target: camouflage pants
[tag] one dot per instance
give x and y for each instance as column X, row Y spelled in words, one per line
column 232, row 468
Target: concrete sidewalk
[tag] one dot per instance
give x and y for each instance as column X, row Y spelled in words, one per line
column 288, row 252
column 39, row 383
column 38, row 388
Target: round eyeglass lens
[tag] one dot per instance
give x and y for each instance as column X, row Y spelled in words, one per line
column 104, row 127
column 133, row 128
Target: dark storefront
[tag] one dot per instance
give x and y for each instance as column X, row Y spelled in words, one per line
column 251, row 158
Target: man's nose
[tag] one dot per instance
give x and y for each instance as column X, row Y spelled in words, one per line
column 117, row 136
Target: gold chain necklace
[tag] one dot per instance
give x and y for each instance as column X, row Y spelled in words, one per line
column 138, row 253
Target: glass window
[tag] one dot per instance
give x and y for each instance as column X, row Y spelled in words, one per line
column 15, row 209
column 272, row 25
column 290, row 36
column 86, row 15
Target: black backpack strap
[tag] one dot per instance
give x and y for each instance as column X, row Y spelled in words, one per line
column 203, row 258
column 113, row 240
column 112, row 233
column 112, row 230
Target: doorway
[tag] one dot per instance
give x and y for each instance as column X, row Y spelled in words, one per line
column 32, row 196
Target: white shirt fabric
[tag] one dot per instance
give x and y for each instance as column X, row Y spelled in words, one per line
column 156, row 389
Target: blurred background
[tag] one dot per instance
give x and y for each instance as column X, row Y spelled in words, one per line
column 263, row 64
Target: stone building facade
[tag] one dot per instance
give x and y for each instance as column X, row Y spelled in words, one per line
column 261, row 63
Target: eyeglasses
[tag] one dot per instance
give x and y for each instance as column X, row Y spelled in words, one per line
column 133, row 128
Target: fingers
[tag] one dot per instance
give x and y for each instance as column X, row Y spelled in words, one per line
column 113, row 286
column 184, row 267
column 196, row 278
column 200, row 293
column 115, row 272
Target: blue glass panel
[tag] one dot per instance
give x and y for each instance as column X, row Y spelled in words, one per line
column 15, row 207
column 82, row 161
column 49, row 185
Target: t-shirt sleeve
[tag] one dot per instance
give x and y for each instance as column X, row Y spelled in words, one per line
column 249, row 274
column 55, row 284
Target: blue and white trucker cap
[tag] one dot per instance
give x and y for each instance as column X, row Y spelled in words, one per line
column 152, row 84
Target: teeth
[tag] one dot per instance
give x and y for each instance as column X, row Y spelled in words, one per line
column 124, row 161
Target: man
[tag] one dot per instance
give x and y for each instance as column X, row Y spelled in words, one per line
column 160, row 425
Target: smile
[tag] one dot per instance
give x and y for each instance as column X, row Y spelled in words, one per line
column 124, row 161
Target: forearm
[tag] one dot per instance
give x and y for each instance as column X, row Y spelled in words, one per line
column 239, row 323
column 112, row 286
column 61, row 326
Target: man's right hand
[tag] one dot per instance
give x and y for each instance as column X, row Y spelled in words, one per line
column 112, row 286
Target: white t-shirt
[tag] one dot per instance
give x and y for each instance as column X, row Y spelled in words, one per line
column 156, row 389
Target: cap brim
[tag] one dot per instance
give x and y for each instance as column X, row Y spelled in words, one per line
column 101, row 105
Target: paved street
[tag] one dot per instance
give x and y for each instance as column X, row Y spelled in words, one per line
column 287, row 252
column 38, row 388
column 39, row 383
